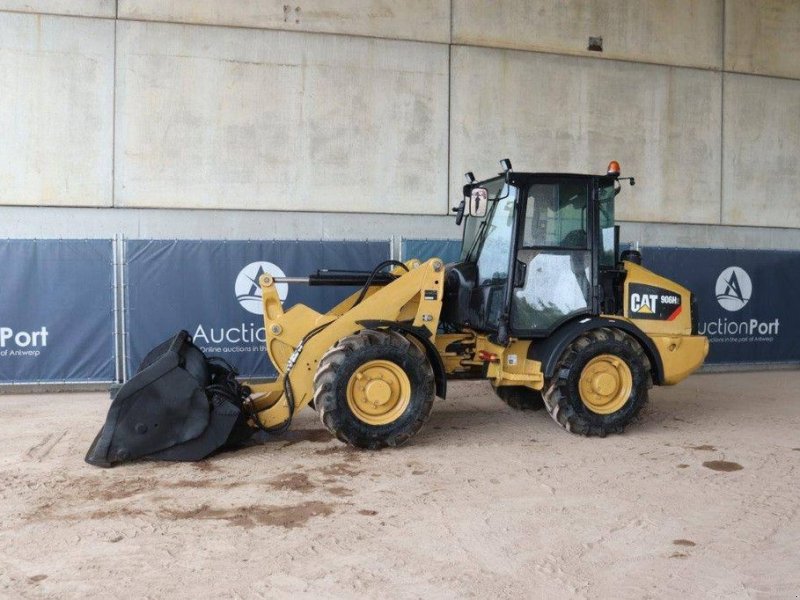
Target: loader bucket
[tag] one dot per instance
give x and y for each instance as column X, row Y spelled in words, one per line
column 180, row 405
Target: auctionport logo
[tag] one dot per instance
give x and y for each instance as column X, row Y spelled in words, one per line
column 248, row 290
column 734, row 289
column 22, row 343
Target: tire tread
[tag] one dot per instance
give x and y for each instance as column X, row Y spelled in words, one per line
column 328, row 374
column 562, row 409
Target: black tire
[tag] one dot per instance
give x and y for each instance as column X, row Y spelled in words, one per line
column 563, row 397
column 339, row 364
column 520, row 397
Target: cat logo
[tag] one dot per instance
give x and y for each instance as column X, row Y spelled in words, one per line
column 644, row 303
column 652, row 302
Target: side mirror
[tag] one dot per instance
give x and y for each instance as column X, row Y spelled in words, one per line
column 478, row 201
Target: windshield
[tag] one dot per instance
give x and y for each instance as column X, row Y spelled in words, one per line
column 475, row 227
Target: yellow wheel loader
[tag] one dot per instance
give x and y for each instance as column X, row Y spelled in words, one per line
column 540, row 303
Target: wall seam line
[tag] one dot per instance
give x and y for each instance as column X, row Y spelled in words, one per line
column 722, row 121
column 251, row 28
column 114, row 122
column 449, row 105
column 137, row 212
column 449, row 124
column 55, row 14
column 414, row 40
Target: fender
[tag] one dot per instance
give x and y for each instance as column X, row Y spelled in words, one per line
column 548, row 350
column 422, row 335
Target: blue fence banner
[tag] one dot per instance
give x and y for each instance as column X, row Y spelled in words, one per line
column 210, row 289
column 448, row 250
column 746, row 299
column 57, row 311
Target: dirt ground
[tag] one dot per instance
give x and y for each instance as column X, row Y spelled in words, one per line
column 699, row 499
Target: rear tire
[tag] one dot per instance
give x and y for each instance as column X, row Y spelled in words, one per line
column 600, row 383
column 374, row 389
column 520, row 397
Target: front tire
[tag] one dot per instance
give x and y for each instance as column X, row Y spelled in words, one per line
column 374, row 389
column 600, row 383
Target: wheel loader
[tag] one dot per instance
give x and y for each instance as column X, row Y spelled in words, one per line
column 541, row 303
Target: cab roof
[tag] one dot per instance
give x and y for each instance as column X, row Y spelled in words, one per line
column 522, row 176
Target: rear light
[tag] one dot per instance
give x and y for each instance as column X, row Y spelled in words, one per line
column 487, row 356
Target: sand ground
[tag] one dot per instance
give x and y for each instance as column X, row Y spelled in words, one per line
column 699, row 499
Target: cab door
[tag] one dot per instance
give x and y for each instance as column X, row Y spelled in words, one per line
column 555, row 272
column 488, row 298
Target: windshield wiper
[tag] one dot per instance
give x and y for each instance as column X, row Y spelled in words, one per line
column 478, row 236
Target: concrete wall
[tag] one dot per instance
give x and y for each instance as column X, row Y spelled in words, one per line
column 206, row 112
column 576, row 114
column 83, row 8
column 213, row 117
column 763, row 37
column 679, row 32
column 422, row 20
column 56, row 110
column 762, row 151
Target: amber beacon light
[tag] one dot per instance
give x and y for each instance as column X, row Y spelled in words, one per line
column 613, row 168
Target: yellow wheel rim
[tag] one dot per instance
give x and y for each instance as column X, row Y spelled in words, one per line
column 605, row 385
column 378, row 392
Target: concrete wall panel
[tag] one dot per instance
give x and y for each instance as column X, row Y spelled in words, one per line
column 556, row 113
column 763, row 37
column 424, row 20
column 56, row 106
column 81, row 8
column 761, row 158
column 680, row 32
column 212, row 117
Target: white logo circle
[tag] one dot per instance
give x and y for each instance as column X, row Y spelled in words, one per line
column 248, row 290
column 734, row 288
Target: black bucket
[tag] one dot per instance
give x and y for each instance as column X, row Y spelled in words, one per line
column 179, row 406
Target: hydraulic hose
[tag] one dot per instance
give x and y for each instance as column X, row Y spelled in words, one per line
column 368, row 283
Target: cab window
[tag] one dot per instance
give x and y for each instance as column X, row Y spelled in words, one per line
column 496, row 243
column 608, row 257
column 556, row 215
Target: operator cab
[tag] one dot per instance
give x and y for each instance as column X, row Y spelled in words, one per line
column 538, row 249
